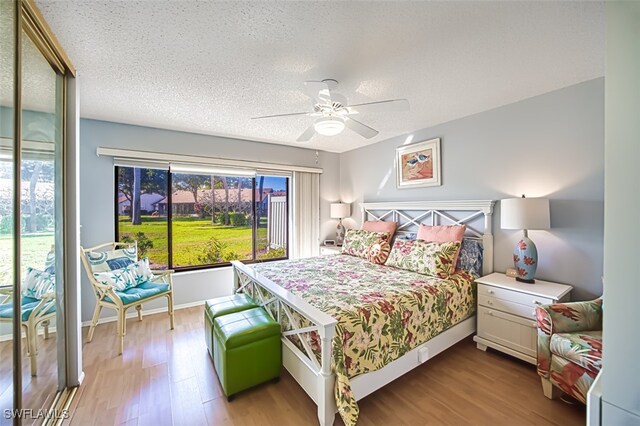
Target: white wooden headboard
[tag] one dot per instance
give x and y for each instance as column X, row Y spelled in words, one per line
column 476, row 214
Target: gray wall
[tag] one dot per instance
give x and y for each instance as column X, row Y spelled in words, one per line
column 620, row 385
column 97, row 191
column 547, row 146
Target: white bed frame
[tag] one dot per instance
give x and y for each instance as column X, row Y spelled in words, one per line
column 316, row 377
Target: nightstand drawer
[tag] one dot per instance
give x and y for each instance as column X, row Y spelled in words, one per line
column 526, row 311
column 508, row 330
column 512, row 296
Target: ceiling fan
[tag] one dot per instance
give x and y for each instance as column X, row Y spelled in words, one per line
column 334, row 114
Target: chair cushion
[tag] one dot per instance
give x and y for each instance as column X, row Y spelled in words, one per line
column 241, row 328
column 583, row 349
column 228, row 305
column 28, row 305
column 140, row 292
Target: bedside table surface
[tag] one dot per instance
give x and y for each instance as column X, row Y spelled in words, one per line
column 540, row 288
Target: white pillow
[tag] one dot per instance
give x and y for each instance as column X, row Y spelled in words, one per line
column 128, row 277
column 37, row 283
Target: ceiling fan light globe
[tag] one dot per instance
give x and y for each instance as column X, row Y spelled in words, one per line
column 329, row 126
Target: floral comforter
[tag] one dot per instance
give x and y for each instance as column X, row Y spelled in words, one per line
column 382, row 312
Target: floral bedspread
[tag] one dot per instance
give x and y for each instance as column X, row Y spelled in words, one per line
column 382, row 312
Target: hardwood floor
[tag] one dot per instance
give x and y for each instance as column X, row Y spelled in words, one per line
column 37, row 392
column 166, row 377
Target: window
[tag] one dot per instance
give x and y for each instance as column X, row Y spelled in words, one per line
column 188, row 221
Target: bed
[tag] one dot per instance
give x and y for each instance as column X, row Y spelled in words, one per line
column 350, row 326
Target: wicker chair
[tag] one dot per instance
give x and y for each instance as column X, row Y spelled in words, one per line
column 34, row 312
column 109, row 297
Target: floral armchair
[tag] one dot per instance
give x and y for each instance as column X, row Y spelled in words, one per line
column 569, row 347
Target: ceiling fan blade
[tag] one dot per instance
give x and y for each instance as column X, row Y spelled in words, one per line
column 361, row 129
column 390, row 105
column 318, row 91
column 308, row 134
column 281, row 115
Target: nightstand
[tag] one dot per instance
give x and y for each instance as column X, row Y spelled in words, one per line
column 507, row 313
column 325, row 250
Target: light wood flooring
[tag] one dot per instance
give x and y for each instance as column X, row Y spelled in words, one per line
column 166, row 377
column 37, row 392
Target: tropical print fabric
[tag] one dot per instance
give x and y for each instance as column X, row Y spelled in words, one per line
column 358, row 242
column 382, row 312
column 37, row 283
column 128, row 277
column 570, row 345
column 470, row 258
column 434, row 259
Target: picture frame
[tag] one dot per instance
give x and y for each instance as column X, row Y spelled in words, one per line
column 418, row 164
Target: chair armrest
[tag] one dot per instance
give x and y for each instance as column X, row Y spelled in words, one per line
column 164, row 275
column 568, row 317
column 6, row 294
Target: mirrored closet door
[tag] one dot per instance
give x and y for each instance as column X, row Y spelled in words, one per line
column 36, row 354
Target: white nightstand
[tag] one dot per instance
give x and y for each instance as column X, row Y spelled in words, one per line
column 325, row 250
column 507, row 313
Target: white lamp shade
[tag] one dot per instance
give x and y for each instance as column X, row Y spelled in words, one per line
column 340, row 210
column 525, row 213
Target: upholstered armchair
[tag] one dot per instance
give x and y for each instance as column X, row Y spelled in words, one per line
column 569, row 347
column 121, row 281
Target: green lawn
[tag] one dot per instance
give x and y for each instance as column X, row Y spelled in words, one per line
column 190, row 238
column 34, row 252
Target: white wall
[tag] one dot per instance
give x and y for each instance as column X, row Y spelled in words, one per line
column 97, row 191
column 547, row 146
column 621, row 341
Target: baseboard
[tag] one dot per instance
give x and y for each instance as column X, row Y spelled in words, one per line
column 39, row 331
column 134, row 314
column 131, row 314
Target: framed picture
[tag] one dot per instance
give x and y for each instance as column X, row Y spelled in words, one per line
column 418, row 164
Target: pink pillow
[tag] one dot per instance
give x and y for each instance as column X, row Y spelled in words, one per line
column 380, row 226
column 443, row 234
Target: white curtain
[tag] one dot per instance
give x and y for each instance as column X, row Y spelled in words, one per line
column 306, row 215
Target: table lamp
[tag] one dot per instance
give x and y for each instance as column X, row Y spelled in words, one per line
column 526, row 214
column 340, row 211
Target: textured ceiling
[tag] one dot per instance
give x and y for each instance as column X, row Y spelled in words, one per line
column 208, row 67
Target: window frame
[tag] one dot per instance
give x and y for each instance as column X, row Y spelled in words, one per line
column 254, row 224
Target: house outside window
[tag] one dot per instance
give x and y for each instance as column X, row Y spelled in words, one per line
column 189, row 221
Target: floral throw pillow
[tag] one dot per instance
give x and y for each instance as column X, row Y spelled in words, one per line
column 357, row 242
column 470, row 258
column 111, row 260
column 128, row 277
column 434, row 259
column 379, row 251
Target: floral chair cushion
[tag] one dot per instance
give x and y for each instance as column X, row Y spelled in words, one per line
column 28, row 304
column 584, row 349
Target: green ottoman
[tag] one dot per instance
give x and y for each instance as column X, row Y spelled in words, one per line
column 246, row 349
column 219, row 306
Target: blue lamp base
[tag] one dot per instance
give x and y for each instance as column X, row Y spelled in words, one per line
column 525, row 260
column 340, row 231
